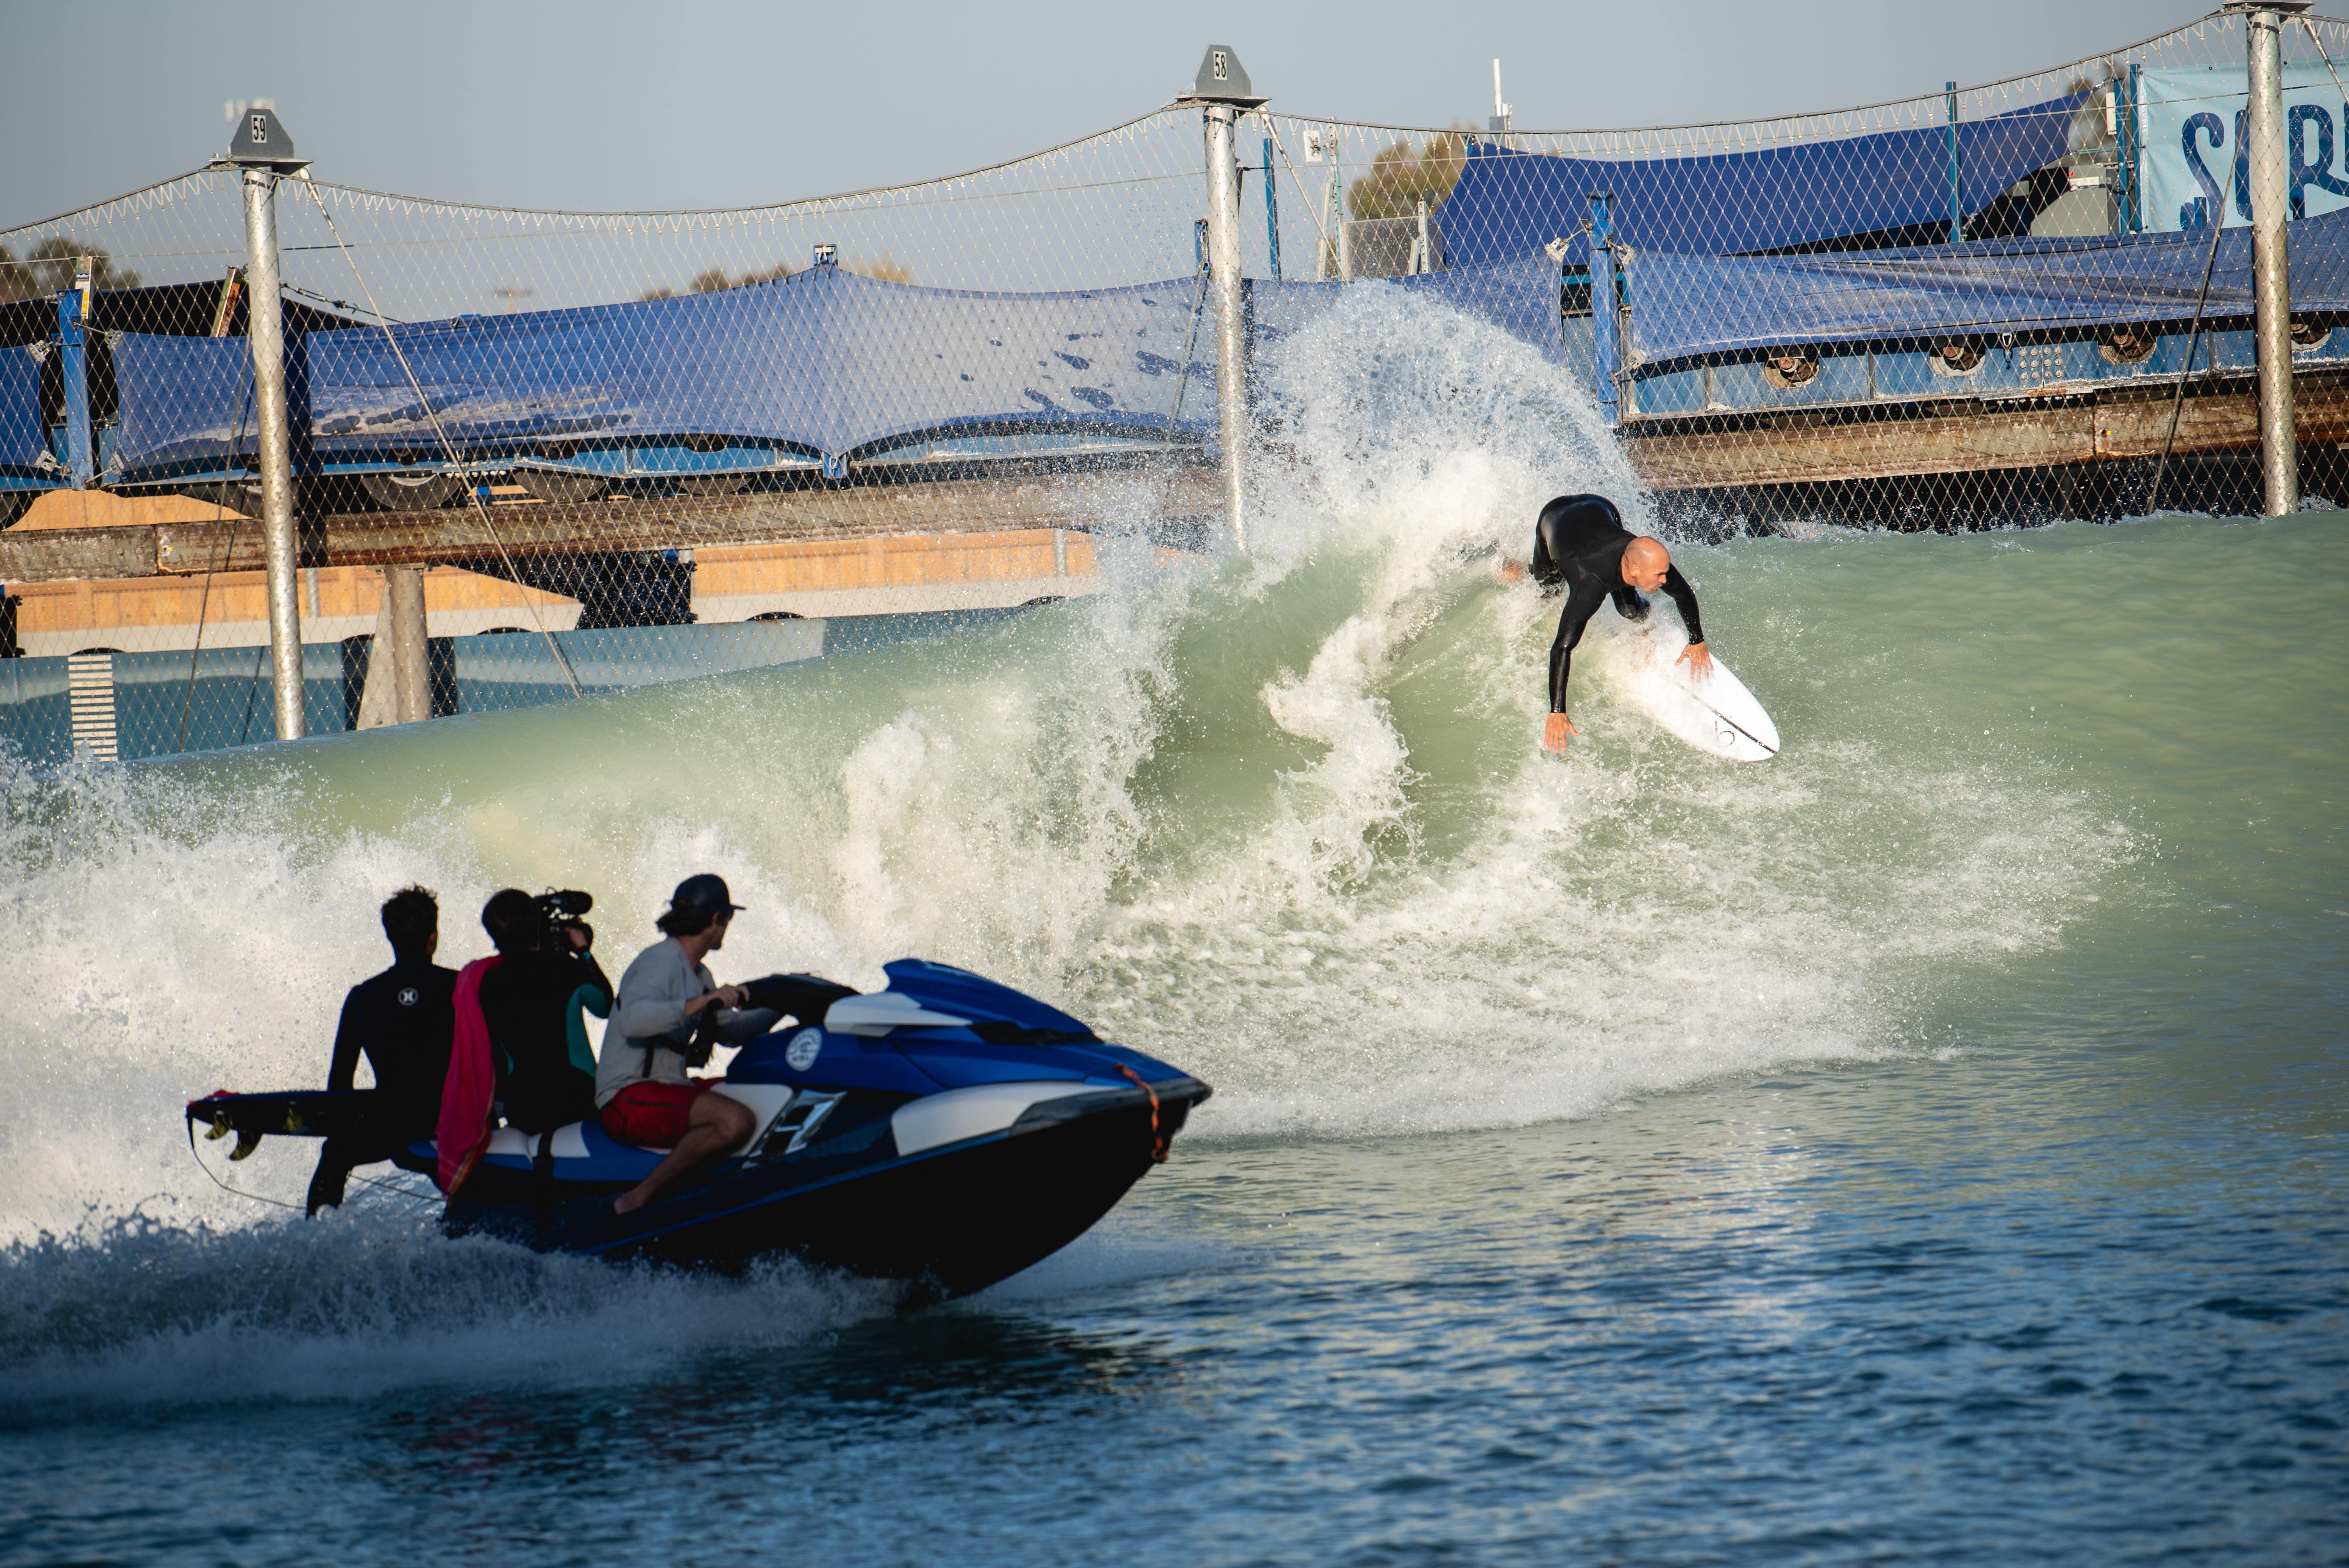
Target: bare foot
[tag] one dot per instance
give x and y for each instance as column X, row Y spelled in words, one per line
column 1511, row 569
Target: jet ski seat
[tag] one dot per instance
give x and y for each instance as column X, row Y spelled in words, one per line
column 583, row 1151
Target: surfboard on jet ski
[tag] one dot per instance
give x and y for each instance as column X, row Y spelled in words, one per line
column 947, row 1131
column 1714, row 713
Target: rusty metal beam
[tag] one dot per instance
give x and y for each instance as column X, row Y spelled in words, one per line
column 1801, row 446
column 61, row 554
column 1813, row 450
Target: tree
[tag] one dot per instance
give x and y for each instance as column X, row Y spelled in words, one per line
column 883, row 268
column 1401, row 174
column 48, row 269
column 712, row 280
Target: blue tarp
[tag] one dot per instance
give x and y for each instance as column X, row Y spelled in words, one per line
column 1508, row 202
column 182, row 399
column 1687, row 305
column 23, row 436
column 824, row 362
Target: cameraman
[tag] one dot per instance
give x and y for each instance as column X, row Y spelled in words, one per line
column 530, row 1001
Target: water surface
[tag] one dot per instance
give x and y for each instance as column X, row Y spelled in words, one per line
column 1928, row 1145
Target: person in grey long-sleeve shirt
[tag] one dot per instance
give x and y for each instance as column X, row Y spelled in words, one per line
column 655, row 1013
column 652, row 1013
column 642, row 1088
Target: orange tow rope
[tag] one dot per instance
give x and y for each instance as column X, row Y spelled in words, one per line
column 1157, row 1139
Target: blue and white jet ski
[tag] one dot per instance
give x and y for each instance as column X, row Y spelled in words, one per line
column 947, row 1131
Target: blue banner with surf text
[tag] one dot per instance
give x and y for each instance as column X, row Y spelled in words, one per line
column 2193, row 159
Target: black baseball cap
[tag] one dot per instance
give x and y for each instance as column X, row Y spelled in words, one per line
column 701, row 896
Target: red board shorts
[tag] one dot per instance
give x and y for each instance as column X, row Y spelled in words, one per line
column 653, row 1115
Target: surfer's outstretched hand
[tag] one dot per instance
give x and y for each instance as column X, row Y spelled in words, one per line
column 1554, row 734
column 1698, row 658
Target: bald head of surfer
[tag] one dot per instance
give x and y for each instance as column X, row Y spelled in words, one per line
column 1581, row 546
column 1646, row 563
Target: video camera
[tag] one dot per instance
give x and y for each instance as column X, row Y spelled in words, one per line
column 561, row 910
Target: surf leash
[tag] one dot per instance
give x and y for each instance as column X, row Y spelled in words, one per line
column 1157, row 1139
column 197, row 1156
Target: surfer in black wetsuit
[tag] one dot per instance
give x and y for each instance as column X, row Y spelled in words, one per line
column 403, row 1021
column 1581, row 545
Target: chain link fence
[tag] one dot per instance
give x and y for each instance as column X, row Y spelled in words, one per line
column 626, row 447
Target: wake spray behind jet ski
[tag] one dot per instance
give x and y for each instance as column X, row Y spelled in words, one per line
column 945, row 1131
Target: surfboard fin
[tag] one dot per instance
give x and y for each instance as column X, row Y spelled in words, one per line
column 221, row 1128
column 246, row 1142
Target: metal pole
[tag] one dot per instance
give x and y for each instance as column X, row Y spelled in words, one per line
column 1605, row 345
column 73, row 362
column 1224, row 279
column 411, row 675
column 1337, row 207
column 2130, row 151
column 268, row 341
column 1957, row 189
column 1271, row 212
column 1324, row 256
column 2270, row 263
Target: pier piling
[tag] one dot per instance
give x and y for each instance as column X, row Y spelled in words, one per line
column 412, row 676
column 2270, row 261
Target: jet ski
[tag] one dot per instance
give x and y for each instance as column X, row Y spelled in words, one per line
column 947, row 1131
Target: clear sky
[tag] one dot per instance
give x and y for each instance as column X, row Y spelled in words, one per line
column 587, row 104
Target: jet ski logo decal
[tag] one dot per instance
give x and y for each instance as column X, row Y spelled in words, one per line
column 804, row 1049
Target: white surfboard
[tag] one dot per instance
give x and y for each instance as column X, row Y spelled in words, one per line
column 1713, row 713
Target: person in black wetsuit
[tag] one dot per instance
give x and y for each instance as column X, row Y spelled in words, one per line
column 1581, row 546
column 402, row 1020
column 529, row 1002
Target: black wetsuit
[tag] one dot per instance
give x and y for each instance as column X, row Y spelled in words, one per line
column 1579, row 545
column 526, row 1002
column 402, row 1020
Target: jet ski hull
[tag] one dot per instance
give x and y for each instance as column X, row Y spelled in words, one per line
column 947, row 1220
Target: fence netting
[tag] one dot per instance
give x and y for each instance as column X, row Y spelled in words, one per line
column 629, row 447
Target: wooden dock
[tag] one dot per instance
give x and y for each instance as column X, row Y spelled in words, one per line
column 487, row 538
column 89, row 570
